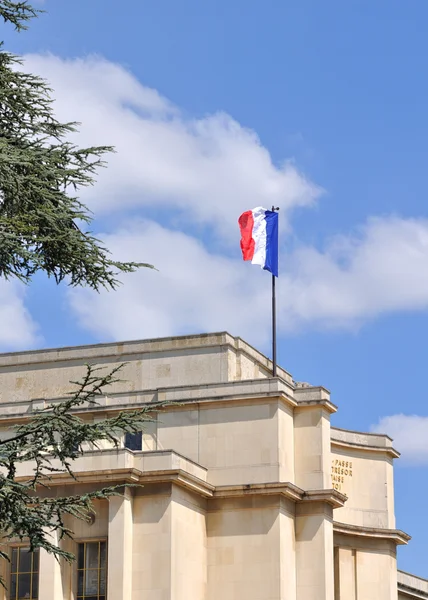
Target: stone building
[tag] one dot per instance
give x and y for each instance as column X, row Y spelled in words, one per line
column 248, row 492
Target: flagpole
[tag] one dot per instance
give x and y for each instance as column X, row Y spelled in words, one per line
column 273, row 326
column 274, row 362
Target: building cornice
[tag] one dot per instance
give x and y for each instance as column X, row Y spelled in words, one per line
column 412, row 586
column 180, row 477
column 131, row 476
column 365, row 441
column 411, row 593
column 134, row 476
column 395, row 535
column 333, row 497
column 289, row 490
column 173, row 398
column 179, row 397
column 329, row 406
column 341, row 444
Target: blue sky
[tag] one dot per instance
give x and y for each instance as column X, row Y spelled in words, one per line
column 218, row 107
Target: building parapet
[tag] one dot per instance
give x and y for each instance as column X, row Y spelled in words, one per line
column 121, row 351
column 93, row 352
column 376, row 442
column 412, row 586
column 236, row 391
column 111, row 461
column 396, row 535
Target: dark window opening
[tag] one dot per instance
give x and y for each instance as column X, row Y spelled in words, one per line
column 91, row 571
column 134, row 441
column 24, row 574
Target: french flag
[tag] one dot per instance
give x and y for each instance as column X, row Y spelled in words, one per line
column 259, row 238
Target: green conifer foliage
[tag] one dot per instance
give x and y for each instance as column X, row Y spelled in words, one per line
column 42, row 226
column 47, row 443
column 42, row 220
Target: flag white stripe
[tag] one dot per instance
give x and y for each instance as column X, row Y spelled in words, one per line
column 259, row 236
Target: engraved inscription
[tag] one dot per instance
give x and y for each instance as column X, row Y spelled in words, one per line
column 341, row 470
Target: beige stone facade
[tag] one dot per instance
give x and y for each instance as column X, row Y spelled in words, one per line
column 248, row 492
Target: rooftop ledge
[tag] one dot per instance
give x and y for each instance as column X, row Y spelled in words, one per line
column 214, row 393
column 412, row 585
column 375, row 442
column 122, row 350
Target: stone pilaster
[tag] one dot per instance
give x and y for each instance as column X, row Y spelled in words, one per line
column 50, row 578
column 314, row 551
column 119, row 584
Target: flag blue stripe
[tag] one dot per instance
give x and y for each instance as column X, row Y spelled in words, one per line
column 271, row 263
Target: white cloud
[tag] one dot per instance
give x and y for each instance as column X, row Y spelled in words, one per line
column 210, row 168
column 17, row 329
column 383, row 269
column 410, row 435
column 193, row 291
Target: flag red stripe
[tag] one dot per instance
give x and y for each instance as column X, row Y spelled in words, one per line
column 246, row 224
